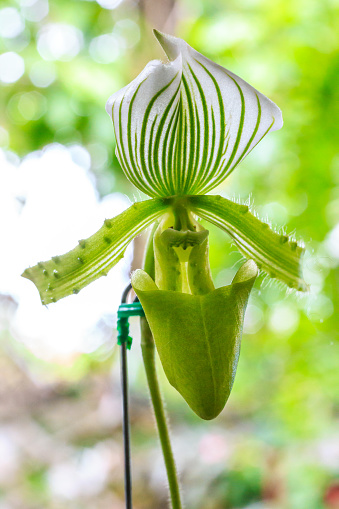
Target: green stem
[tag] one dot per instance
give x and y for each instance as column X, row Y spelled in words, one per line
column 148, row 354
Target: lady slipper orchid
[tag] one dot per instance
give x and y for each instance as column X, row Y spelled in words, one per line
column 181, row 128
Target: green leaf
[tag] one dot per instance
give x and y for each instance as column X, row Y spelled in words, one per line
column 198, row 336
column 181, row 127
column 276, row 254
column 93, row 257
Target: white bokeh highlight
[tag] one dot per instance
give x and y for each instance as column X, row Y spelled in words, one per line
column 82, row 476
column 109, row 4
column 106, row 48
column 34, row 10
column 11, row 23
column 12, row 67
column 42, row 74
column 332, row 242
column 58, row 41
column 48, row 202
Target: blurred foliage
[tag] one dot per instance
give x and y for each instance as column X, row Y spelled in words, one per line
column 277, row 442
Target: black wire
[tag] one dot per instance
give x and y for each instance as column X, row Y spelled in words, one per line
column 125, row 293
column 125, row 414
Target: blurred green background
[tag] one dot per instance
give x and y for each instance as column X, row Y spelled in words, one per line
column 276, row 444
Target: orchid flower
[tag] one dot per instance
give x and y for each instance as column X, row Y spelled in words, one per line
column 181, row 128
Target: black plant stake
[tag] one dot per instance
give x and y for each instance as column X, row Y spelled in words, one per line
column 125, row 341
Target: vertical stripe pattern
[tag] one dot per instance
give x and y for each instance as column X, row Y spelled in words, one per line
column 182, row 127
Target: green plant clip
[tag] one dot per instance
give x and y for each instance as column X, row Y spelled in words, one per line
column 124, row 312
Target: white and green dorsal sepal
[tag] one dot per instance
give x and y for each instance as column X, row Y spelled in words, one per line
column 181, row 127
column 93, row 257
column 198, row 336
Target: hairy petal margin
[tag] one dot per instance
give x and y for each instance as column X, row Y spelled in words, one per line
column 276, row 254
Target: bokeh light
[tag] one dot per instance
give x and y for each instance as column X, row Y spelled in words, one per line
column 11, row 23
column 42, row 74
column 109, row 4
column 57, row 41
column 34, row 10
column 332, row 242
column 105, row 49
column 55, row 185
column 12, row 67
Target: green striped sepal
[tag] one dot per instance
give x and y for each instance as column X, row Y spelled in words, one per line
column 93, row 257
column 276, row 254
column 181, row 127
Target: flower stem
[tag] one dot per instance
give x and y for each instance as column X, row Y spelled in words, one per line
column 148, row 354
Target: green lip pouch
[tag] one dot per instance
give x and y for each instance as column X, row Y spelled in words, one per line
column 198, row 336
